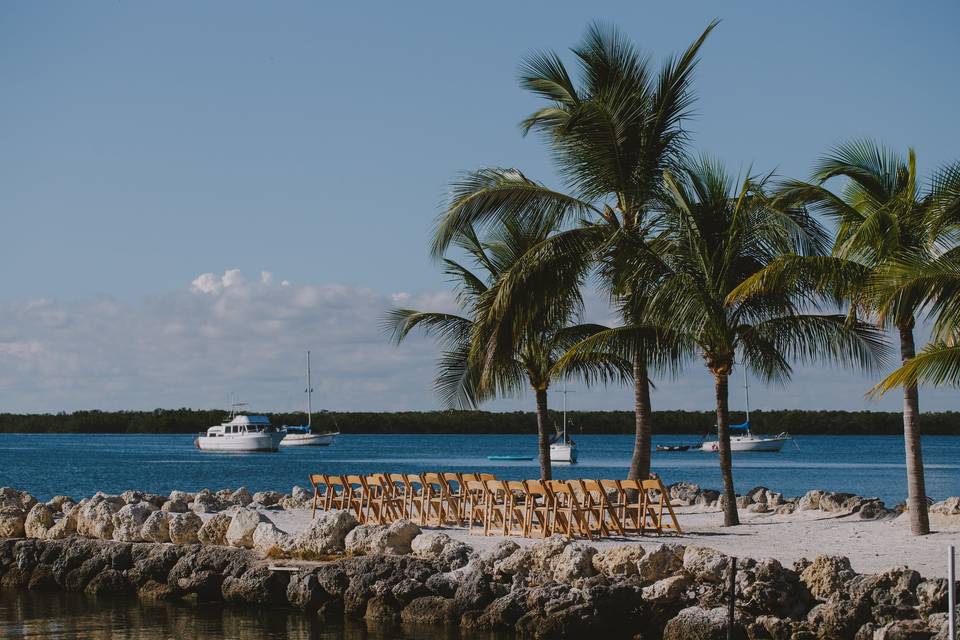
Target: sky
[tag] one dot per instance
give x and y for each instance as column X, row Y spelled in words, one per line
column 194, row 194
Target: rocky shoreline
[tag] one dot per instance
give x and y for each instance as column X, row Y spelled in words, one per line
column 160, row 547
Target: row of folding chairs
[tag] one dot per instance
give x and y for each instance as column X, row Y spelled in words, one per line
column 483, row 503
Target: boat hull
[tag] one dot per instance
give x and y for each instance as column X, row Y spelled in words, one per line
column 563, row 453
column 738, row 444
column 308, row 440
column 241, row 443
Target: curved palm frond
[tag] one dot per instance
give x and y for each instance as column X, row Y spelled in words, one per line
column 937, row 364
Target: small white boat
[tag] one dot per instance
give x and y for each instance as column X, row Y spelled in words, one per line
column 304, row 436
column 742, row 440
column 241, row 433
column 563, row 448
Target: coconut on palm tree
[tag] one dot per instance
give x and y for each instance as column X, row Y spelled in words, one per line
column 889, row 260
column 717, row 234
column 612, row 133
column 469, row 372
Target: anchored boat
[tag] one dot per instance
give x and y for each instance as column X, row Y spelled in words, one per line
column 241, row 433
column 741, row 439
column 304, row 436
column 562, row 447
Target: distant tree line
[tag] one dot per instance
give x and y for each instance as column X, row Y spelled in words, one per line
column 478, row 422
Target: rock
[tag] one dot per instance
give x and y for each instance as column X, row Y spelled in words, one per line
column 932, row 596
column 397, row 538
column 271, row 542
column 503, row 550
column 662, row 561
column 408, row 590
column 694, row 623
column 838, row 618
column 574, row 562
column 672, row 589
column 827, row 575
column 38, row 521
column 759, row 507
column 181, row 496
column 455, row 555
column 774, row 499
column 810, row 501
column 241, row 497
column 684, row 493
column 299, row 498
column 743, row 502
column 382, row 610
column 128, row 521
column 708, row 497
column 835, row 502
column 156, row 528
column 59, row 503
column 214, row 530
column 326, row 534
column 619, row 561
column 903, row 630
column 130, row 496
column 205, row 502
column 765, row 587
column 786, row 509
column 429, row 545
column 95, row 518
column 242, row 526
column 12, row 520
column 63, row 528
column 429, row 610
column 948, row 507
column 705, row 564
column 257, row 585
column 175, row 506
column 358, row 541
column 267, row 498
column 520, row 562
column 474, row 592
column 544, row 553
column 185, row 528
column 758, row 495
column 109, row 582
column 304, row 591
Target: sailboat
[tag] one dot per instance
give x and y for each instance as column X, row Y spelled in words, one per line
column 304, row 436
column 562, row 448
column 741, row 438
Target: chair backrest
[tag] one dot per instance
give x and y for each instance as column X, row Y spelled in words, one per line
column 354, row 482
column 413, row 482
column 535, row 488
column 318, row 480
column 336, row 481
column 486, row 476
column 560, row 487
column 466, row 477
column 653, row 484
column 610, row 485
column 516, row 485
column 496, row 487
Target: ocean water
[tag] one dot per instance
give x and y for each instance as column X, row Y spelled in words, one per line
column 71, row 616
column 79, row 465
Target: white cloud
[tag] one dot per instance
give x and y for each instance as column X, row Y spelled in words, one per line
column 228, row 333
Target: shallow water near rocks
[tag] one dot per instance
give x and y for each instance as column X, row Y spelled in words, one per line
column 70, row 616
column 79, row 465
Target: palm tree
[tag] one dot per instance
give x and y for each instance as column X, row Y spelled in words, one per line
column 890, row 243
column 612, row 134
column 715, row 236
column 465, row 378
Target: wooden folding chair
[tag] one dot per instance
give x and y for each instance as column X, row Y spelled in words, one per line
column 434, row 501
column 634, row 511
column 455, row 497
column 379, row 504
column 355, row 496
column 399, row 483
column 656, row 499
column 477, row 503
column 516, row 508
column 568, row 515
column 414, row 488
column 539, row 507
column 601, row 517
column 336, row 496
column 498, row 506
column 318, row 480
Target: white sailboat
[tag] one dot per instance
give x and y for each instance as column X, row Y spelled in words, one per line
column 304, row 436
column 241, row 433
column 562, row 448
column 741, row 438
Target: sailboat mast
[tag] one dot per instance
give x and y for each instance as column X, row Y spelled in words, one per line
column 309, row 394
column 746, row 394
column 564, row 412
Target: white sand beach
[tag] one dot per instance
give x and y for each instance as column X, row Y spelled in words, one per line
column 871, row 545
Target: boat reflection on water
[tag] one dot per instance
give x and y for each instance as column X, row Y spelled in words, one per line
column 71, row 616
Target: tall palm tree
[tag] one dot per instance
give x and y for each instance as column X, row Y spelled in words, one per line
column 890, row 242
column 464, row 377
column 716, row 235
column 611, row 134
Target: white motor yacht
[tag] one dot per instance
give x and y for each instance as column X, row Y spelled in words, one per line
column 742, row 440
column 241, row 433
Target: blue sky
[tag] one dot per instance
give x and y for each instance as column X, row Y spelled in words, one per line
column 145, row 144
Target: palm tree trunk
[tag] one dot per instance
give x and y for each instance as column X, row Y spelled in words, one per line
column 640, row 463
column 730, row 515
column 543, row 435
column 916, row 489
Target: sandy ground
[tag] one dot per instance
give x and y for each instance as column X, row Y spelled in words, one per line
column 871, row 545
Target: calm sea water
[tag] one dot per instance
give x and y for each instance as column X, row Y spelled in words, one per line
column 71, row 616
column 79, row 465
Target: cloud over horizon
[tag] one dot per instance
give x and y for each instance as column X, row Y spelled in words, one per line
column 229, row 333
